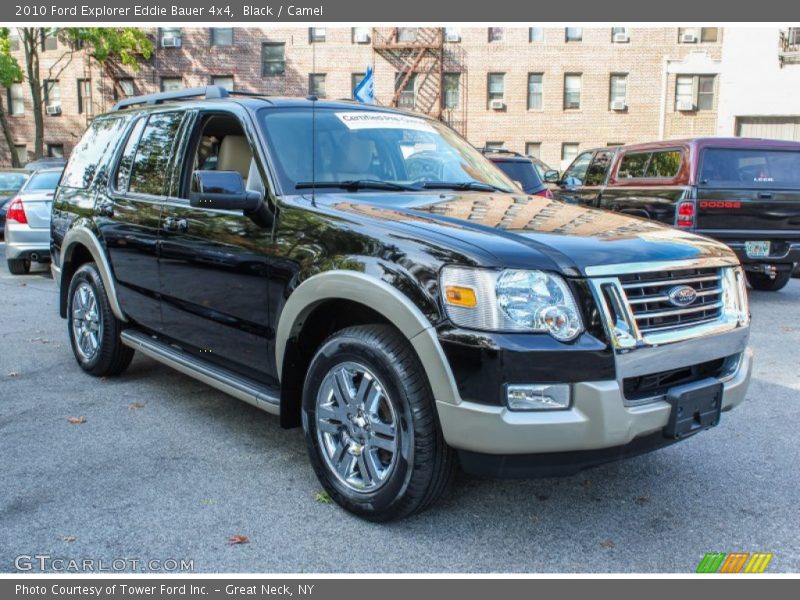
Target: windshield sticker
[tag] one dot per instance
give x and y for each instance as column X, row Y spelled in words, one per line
column 376, row 120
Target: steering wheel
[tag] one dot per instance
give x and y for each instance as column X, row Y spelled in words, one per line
column 424, row 166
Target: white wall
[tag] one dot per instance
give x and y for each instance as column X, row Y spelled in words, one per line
column 752, row 82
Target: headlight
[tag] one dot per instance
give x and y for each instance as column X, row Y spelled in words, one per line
column 510, row 300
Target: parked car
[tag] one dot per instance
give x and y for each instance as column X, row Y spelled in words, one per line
column 11, row 180
column 368, row 275
column 521, row 170
column 27, row 226
column 744, row 192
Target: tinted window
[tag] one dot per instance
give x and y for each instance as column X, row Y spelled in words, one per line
column 149, row 169
column 522, row 171
column 596, row 175
column 124, row 168
column 576, row 172
column 633, row 165
column 762, row 168
column 44, row 180
column 87, row 155
column 664, row 165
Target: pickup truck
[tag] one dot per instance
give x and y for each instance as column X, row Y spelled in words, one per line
column 743, row 192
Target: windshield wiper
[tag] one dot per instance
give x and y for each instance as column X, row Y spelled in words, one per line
column 355, row 184
column 462, row 185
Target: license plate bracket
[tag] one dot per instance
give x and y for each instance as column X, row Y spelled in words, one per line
column 759, row 249
column 695, row 407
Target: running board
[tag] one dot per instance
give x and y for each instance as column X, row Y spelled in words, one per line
column 235, row 385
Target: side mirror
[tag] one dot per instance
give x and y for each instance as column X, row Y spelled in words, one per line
column 551, row 176
column 222, row 190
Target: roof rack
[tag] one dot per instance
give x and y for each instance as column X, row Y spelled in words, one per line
column 209, row 92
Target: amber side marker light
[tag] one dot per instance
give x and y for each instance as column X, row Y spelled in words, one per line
column 457, row 295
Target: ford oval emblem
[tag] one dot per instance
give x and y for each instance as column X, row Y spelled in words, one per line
column 682, row 295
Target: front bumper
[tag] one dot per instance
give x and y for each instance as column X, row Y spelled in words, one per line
column 598, row 419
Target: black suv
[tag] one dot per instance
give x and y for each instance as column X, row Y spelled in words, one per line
column 368, row 275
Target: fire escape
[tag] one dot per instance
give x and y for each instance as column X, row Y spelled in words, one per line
column 430, row 72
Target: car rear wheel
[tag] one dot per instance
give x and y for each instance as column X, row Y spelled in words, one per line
column 760, row 281
column 94, row 331
column 19, row 266
column 370, row 425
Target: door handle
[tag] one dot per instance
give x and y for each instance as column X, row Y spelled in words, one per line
column 173, row 224
column 105, row 209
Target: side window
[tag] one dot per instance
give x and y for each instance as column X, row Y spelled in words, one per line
column 576, row 173
column 596, row 174
column 633, row 165
column 664, row 165
column 87, row 156
column 149, row 169
column 124, row 168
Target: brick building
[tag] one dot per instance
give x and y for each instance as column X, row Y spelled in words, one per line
column 549, row 92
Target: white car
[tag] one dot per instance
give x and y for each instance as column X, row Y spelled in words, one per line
column 27, row 230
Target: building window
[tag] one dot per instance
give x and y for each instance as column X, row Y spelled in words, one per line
column 16, row 101
column 407, row 97
column 52, row 95
column 496, row 34
column 49, row 39
column 569, row 150
column 360, row 35
column 452, row 34
column 535, row 91
column 573, row 34
column 619, row 35
column 496, row 84
column 222, row 36
column 694, row 92
column 317, row 34
column 452, row 82
column 170, row 37
column 572, row 90
column 13, row 38
column 618, row 91
column 691, row 35
column 316, row 84
column 494, row 145
column 535, row 34
column 21, row 150
column 533, row 149
column 273, row 58
column 55, row 150
column 84, row 96
column 407, row 35
column 124, row 88
column 355, row 79
column 171, row 84
column 223, row 81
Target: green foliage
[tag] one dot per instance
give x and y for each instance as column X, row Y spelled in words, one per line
column 127, row 45
column 10, row 71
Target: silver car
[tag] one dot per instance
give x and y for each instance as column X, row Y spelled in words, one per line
column 27, row 230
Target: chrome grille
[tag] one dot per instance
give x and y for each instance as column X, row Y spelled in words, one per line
column 648, row 297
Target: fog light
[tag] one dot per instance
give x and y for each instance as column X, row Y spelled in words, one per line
column 538, row 396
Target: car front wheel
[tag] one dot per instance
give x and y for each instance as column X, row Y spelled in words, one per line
column 371, row 427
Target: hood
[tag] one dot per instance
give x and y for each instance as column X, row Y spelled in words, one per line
column 533, row 231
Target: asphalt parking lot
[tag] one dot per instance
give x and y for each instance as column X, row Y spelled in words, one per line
column 167, row 468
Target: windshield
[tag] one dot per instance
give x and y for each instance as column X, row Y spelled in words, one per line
column 45, row 180
column 759, row 168
column 522, row 171
column 399, row 151
column 11, row 182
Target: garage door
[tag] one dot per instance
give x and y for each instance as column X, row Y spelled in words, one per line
column 776, row 128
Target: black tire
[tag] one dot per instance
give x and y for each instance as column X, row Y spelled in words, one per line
column 424, row 464
column 19, row 266
column 111, row 356
column 760, row 281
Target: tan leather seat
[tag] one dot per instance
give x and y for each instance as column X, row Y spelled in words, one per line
column 235, row 155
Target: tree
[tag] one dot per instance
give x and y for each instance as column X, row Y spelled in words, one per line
column 10, row 73
column 30, row 37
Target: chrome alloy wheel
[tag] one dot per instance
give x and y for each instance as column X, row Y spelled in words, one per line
column 87, row 323
column 357, row 427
